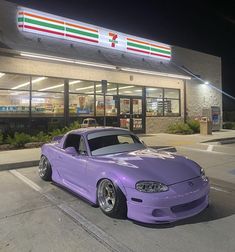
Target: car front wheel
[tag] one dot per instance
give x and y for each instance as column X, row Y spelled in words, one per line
column 111, row 200
column 44, row 169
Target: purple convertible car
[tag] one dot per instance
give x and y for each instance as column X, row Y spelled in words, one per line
column 111, row 167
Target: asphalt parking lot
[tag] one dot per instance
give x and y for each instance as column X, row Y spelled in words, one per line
column 40, row 216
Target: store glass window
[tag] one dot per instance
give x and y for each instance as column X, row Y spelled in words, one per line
column 99, row 105
column 130, row 90
column 154, row 92
column 80, row 86
column 81, row 105
column 172, row 93
column 14, row 95
column 111, row 105
column 154, row 107
column 171, row 102
column 47, row 104
column 111, row 89
column 46, row 84
column 14, row 81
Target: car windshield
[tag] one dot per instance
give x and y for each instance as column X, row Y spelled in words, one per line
column 111, row 142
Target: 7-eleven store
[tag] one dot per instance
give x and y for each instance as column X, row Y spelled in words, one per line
column 51, row 72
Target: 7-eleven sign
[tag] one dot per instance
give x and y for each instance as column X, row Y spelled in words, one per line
column 113, row 39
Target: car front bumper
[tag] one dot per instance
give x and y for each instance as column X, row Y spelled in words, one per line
column 182, row 200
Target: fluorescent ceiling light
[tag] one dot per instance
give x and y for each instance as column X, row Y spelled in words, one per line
column 83, row 88
column 206, row 82
column 126, row 87
column 59, row 85
column 1, row 75
column 27, row 83
column 85, row 63
column 155, row 73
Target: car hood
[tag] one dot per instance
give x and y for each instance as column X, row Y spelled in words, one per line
column 149, row 164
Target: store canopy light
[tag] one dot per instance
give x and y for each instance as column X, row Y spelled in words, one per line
column 206, row 82
column 59, row 59
column 1, row 75
column 27, row 83
column 125, row 69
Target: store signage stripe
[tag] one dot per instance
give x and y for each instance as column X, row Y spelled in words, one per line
column 137, row 50
column 88, row 34
column 42, row 30
column 81, row 38
column 81, row 27
column 138, row 46
column 60, row 22
column 162, row 47
column 44, row 24
column 138, row 41
column 43, row 18
column 160, row 51
column 161, row 55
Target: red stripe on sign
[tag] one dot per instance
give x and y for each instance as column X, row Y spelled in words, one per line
column 82, row 38
column 137, row 50
column 43, row 30
column 157, row 54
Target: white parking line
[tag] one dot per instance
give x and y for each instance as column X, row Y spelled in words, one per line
column 210, row 147
column 219, row 189
column 102, row 237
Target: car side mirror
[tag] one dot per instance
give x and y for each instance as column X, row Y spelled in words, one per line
column 71, row 151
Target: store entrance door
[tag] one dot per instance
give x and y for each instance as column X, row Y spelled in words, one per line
column 131, row 114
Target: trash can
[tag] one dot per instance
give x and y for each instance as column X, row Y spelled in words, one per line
column 205, row 126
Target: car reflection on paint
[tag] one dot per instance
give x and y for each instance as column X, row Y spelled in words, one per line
column 111, row 167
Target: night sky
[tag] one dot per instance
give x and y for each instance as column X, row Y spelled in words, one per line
column 201, row 26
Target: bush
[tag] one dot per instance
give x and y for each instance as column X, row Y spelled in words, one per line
column 19, row 139
column 41, row 137
column 179, row 128
column 1, row 137
column 229, row 125
column 194, row 125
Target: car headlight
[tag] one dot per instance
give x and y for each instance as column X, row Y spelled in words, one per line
column 202, row 172
column 203, row 175
column 151, row 187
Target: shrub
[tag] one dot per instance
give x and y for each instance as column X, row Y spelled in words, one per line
column 19, row 139
column 179, row 128
column 194, row 125
column 1, row 137
column 229, row 125
column 41, row 137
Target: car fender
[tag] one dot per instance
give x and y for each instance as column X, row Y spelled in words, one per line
column 114, row 178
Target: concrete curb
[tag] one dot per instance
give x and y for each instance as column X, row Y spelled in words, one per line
column 229, row 140
column 25, row 164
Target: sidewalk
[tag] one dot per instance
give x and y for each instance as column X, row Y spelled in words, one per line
column 14, row 159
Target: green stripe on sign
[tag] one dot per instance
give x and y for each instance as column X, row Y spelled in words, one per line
column 20, row 19
column 82, row 32
column 161, row 51
column 139, row 46
column 40, row 23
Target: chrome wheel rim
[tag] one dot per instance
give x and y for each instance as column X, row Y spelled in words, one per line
column 106, row 195
column 42, row 166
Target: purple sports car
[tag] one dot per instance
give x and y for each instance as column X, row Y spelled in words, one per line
column 111, row 167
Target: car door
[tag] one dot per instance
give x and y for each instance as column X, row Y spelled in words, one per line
column 72, row 166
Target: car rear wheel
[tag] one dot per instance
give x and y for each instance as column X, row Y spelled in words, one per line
column 44, row 169
column 111, row 200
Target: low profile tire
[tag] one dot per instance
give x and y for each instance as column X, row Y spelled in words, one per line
column 111, row 199
column 44, row 169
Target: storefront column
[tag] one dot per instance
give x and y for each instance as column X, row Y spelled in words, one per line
column 30, row 104
column 66, row 102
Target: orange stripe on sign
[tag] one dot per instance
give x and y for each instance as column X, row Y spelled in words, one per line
column 44, row 18
column 141, row 42
column 81, row 27
column 21, row 13
column 163, row 47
